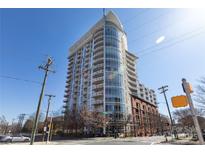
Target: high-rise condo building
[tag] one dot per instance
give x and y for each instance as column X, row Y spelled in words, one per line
column 102, row 72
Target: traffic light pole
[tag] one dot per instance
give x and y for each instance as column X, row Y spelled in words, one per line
column 185, row 85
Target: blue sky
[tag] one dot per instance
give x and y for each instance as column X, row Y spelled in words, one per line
column 27, row 36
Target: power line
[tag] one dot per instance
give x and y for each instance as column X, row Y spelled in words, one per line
column 149, row 21
column 19, row 79
column 172, row 44
column 158, row 30
column 138, row 14
column 174, row 39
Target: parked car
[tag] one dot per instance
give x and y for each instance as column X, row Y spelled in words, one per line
column 20, row 138
column 14, row 138
column 5, row 138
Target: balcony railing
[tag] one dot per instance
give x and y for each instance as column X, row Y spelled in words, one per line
column 65, row 100
column 97, row 79
column 98, row 43
column 97, row 94
column 98, row 48
column 98, row 66
column 98, row 61
column 132, row 77
column 98, row 55
column 97, row 102
column 67, row 90
column 98, row 33
column 130, row 57
column 97, row 72
column 98, row 38
column 67, row 86
column 134, row 82
column 98, row 86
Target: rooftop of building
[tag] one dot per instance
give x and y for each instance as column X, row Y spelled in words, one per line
column 143, row 100
column 110, row 16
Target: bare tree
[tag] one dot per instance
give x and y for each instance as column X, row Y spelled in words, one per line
column 28, row 125
column 4, row 124
column 57, row 112
column 83, row 121
column 185, row 120
column 165, row 124
column 200, row 93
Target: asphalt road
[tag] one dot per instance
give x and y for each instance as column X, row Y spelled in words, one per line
column 102, row 141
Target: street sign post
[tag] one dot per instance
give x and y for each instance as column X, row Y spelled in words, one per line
column 187, row 88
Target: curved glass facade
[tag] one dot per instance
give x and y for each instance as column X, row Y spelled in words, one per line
column 114, row 97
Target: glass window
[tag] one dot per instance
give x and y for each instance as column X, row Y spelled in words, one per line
column 113, row 99
column 114, row 108
column 111, row 31
column 113, row 91
column 109, row 108
column 112, row 65
column 112, row 53
column 112, row 42
column 113, row 79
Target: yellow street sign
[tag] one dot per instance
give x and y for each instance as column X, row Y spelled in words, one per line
column 179, row 101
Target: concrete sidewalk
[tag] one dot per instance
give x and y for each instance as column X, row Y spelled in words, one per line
column 181, row 141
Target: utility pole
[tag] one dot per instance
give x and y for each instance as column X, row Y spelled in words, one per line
column 163, row 90
column 188, row 92
column 49, row 131
column 46, row 69
column 48, row 107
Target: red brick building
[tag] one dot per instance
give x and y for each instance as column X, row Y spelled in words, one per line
column 145, row 118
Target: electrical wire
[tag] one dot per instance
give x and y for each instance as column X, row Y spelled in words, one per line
column 150, row 21
column 172, row 44
column 138, row 14
column 160, row 29
column 19, row 79
column 173, row 39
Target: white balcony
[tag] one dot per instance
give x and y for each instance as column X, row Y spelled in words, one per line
column 99, row 42
column 99, row 37
column 98, row 66
column 97, row 102
column 65, row 100
column 99, row 54
column 97, row 79
column 98, row 48
column 95, row 94
column 131, row 58
column 98, row 61
column 98, row 33
column 98, row 86
column 97, row 72
column 131, row 77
